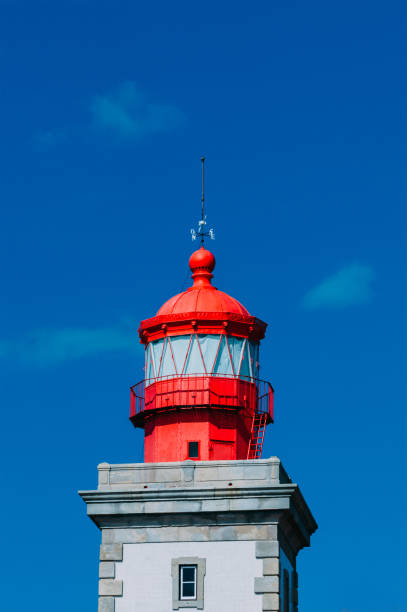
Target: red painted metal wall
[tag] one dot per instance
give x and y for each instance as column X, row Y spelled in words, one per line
column 216, row 412
column 220, row 435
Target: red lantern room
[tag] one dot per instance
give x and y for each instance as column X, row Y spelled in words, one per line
column 202, row 398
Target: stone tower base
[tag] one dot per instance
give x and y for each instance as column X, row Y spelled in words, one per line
column 241, row 524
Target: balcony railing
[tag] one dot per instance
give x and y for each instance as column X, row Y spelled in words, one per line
column 220, row 391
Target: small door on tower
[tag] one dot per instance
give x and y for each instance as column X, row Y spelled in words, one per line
column 222, row 450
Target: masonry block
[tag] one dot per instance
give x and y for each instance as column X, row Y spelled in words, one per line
column 215, row 505
column 107, row 586
column 206, row 474
column 271, row 566
column 267, row 549
column 267, row 584
column 106, row 569
column 245, row 504
column 106, row 604
column 111, row 552
column 103, row 472
column 271, row 602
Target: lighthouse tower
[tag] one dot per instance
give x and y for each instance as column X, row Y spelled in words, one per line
column 202, row 398
column 205, row 523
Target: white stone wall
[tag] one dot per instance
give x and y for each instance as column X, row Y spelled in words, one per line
column 229, row 581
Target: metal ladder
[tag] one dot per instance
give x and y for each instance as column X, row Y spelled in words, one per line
column 257, row 435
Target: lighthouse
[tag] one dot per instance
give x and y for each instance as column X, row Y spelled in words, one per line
column 205, row 523
column 202, row 398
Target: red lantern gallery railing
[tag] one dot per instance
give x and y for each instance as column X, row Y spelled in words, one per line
column 201, row 391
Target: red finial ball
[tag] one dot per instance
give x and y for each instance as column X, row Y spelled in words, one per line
column 202, row 260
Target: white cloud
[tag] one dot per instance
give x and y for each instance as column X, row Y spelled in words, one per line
column 128, row 113
column 350, row 285
column 45, row 347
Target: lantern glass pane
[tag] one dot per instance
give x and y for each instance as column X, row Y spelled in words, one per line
column 194, row 363
column 235, row 346
column 223, row 365
column 149, row 363
column 167, row 362
column 179, row 346
column 209, row 346
column 245, row 369
column 254, row 358
column 157, row 349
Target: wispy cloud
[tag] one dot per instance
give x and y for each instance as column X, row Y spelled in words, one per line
column 128, row 113
column 46, row 140
column 45, row 347
column 350, row 285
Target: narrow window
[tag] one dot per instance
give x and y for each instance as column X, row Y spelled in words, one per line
column 286, row 600
column 187, row 582
column 188, row 575
column 193, row 450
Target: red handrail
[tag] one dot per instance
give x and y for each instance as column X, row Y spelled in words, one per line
column 199, row 390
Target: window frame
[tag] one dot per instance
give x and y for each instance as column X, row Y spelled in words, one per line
column 176, row 568
column 199, row 450
column 182, row 582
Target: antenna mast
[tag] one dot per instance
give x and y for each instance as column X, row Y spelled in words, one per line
column 201, row 224
column 202, row 196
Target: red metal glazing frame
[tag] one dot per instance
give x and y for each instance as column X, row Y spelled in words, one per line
column 200, row 350
column 194, row 337
column 172, row 353
column 242, row 356
column 160, row 326
column 187, row 353
column 230, row 355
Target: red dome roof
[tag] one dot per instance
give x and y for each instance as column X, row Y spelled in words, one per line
column 202, row 296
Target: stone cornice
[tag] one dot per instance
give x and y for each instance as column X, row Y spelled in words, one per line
column 118, row 496
column 282, row 504
column 197, row 499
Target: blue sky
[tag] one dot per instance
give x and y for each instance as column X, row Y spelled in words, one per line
column 300, row 111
